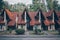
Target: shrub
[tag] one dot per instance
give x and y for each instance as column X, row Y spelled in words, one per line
column 20, row 31
column 37, row 31
column 59, row 31
column 10, row 30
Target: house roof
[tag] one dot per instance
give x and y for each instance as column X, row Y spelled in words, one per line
column 58, row 22
column 12, row 16
column 9, row 13
column 32, row 22
column 58, row 14
column 47, row 14
column 2, row 22
column 37, row 22
column 32, row 16
column 20, row 20
column 46, row 22
column 11, row 23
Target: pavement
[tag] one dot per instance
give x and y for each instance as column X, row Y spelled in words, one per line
column 29, row 37
column 47, row 33
column 27, row 33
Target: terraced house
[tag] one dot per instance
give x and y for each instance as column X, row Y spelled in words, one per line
column 30, row 20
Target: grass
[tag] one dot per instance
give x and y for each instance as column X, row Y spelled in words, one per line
column 33, row 33
column 7, row 33
column 54, row 32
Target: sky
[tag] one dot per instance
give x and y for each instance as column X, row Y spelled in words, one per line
column 58, row 1
column 22, row 1
column 19, row 1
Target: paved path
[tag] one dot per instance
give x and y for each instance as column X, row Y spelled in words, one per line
column 27, row 33
column 29, row 37
column 47, row 33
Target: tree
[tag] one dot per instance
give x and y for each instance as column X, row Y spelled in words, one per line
column 43, row 7
column 6, row 5
column 49, row 4
column 55, row 5
column 17, row 7
column 58, row 7
column 1, row 4
column 35, row 5
column 52, row 4
column 38, row 4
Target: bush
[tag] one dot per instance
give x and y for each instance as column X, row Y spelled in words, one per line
column 37, row 31
column 59, row 31
column 10, row 30
column 20, row 31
